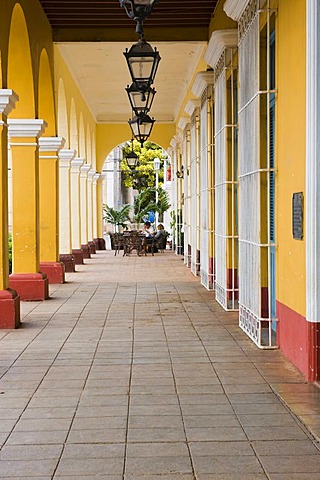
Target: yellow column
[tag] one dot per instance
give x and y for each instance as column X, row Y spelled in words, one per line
column 26, row 278
column 84, row 209
column 76, row 164
column 94, row 210
column 91, row 243
column 9, row 300
column 102, row 243
column 65, row 157
column 49, row 208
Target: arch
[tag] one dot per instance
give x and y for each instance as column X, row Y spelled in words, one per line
column 62, row 115
column 109, row 135
column 46, row 108
column 89, row 148
column 82, row 138
column 20, row 72
column 73, row 127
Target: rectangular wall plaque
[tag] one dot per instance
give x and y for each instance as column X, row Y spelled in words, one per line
column 297, row 216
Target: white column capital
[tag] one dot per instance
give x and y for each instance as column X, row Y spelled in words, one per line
column 26, row 128
column 235, row 8
column 51, row 144
column 201, row 82
column 65, row 157
column 8, row 99
column 192, row 105
column 76, row 163
column 220, row 39
column 91, row 174
column 96, row 178
column 84, row 169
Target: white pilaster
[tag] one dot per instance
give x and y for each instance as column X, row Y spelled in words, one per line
column 312, row 164
column 65, row 157
column 26, row 128
column 201, row 82
column 8, row 99
column 84, row 202
column 76, row 164
column 50, row 144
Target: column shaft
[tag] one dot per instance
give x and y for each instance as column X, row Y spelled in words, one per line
column 26, row 278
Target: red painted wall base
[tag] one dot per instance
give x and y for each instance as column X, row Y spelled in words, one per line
column 78, row 256
column 54, row 271
column 86, row 250
column 30, row 286
column 96, row 243
column 68, row 260
column 299, row 340
column 9, row 309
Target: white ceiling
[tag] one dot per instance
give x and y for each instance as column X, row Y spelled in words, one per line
column 101, row 73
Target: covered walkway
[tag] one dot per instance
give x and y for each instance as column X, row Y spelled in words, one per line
column 132, row 371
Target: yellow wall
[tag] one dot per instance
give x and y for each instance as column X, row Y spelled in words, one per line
column 111, row 135
column 290, row 148
column 83, row 120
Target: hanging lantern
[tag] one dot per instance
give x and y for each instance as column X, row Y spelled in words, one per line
column 138, row 10
column 140, row 100
column 143, row 62
column 141, row 126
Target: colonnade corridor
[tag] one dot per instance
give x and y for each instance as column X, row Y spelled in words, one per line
column 132, row 371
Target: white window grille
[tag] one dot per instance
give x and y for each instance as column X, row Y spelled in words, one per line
column 187, row 197
column 256, row 175
column 226, row 235
column 206, row 188
column 194, row 193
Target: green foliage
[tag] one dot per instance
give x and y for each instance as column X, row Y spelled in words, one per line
column 10, row 252
column 143, row 204
column 118, row 218
column 146, row 202
column 144, row 175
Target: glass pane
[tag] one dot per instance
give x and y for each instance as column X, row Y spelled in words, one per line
column 141, row 67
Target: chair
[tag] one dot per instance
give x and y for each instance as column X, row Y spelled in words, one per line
column 117, row 241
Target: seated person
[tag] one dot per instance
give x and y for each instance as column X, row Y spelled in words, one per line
column 161, row 236
column 148, row 230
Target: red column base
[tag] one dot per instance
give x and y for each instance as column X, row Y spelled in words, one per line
column 102, row 244
column 68, row 261
column 9, row 309
column 96, row 243
column 92, row 247
column 86, row 250
column 30, row 286
column 78, row 256
column 54, row 271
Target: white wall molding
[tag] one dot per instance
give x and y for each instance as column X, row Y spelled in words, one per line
column 51, row 144
column 191, row 106
column 220, row 39
column 201, row 82
column 26, row 128
column 76, row 163
column 235, row 8
column 8, row 99
column 183, row 122
column 312, row 164
column 65, row 157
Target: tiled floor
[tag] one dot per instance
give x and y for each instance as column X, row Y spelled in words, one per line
column 132, row 371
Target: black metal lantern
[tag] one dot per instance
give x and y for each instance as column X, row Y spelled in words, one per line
column 143, row 62
column 138, row 10
column 141, row 126
column 132, row 158
column 140, row 100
